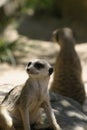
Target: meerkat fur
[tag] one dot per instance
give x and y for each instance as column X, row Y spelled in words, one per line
column 67, row 79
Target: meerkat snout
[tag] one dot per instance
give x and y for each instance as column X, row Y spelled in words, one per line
column 27, row 69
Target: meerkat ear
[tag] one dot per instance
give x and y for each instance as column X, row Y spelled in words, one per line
column 50, row 71
column 56, row 35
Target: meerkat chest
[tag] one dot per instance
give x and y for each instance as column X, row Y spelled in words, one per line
column 39, row 94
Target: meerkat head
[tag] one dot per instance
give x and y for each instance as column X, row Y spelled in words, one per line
column 39, row 68
column 64, row 35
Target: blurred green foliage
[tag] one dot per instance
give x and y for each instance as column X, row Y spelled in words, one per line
column 44, row 4
column 40, row 6
column 6, row 54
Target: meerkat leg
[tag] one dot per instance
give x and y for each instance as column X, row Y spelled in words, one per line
column 25, row 118
column 50, row 115
column 6, row 121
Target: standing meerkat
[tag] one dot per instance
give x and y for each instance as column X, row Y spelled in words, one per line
column 67, row 70
column 22, row 103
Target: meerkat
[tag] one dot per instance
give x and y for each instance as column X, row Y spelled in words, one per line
column 23, row 102
column 67, row 69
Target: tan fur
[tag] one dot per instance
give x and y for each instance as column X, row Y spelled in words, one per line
column 67, row 71
column 22, row 104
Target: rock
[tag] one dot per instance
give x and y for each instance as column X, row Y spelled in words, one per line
column 69, row 113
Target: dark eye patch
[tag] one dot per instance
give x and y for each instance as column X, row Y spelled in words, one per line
column 29, row 64
column 38, row 65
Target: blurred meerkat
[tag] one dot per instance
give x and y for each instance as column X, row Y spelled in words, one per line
column 22, row 103
column 67, row 70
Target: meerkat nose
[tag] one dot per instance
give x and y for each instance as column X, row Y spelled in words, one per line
column 27, row 69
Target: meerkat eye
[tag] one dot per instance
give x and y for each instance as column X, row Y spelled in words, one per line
column 29, row 64
column 39, row 65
